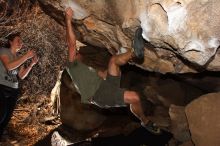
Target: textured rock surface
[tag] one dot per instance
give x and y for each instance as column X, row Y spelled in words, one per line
column 179, row 125
column 204, row 118
column 184, row 33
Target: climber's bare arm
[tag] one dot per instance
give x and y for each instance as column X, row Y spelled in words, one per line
column 70, row 35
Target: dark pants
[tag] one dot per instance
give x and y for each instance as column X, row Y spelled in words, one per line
column 8, row 99
column 109, row 93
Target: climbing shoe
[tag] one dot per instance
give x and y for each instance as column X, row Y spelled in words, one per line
column 58, row 140
column 138, row 43
column 152, row 128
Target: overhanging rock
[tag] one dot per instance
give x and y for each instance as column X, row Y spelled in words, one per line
column 184, row 34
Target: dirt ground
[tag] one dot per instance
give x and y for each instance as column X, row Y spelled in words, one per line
column 30, row 123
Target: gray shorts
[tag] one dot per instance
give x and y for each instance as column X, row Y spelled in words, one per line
column 109, row 93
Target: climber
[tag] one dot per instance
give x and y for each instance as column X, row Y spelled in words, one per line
column 102, row 88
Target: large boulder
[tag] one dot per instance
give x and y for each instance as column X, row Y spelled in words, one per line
column 203, row 116
column 184, row 33
column 90, row 118
column 73, row 113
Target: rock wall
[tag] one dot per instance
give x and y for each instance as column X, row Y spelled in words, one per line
column 184, row 33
